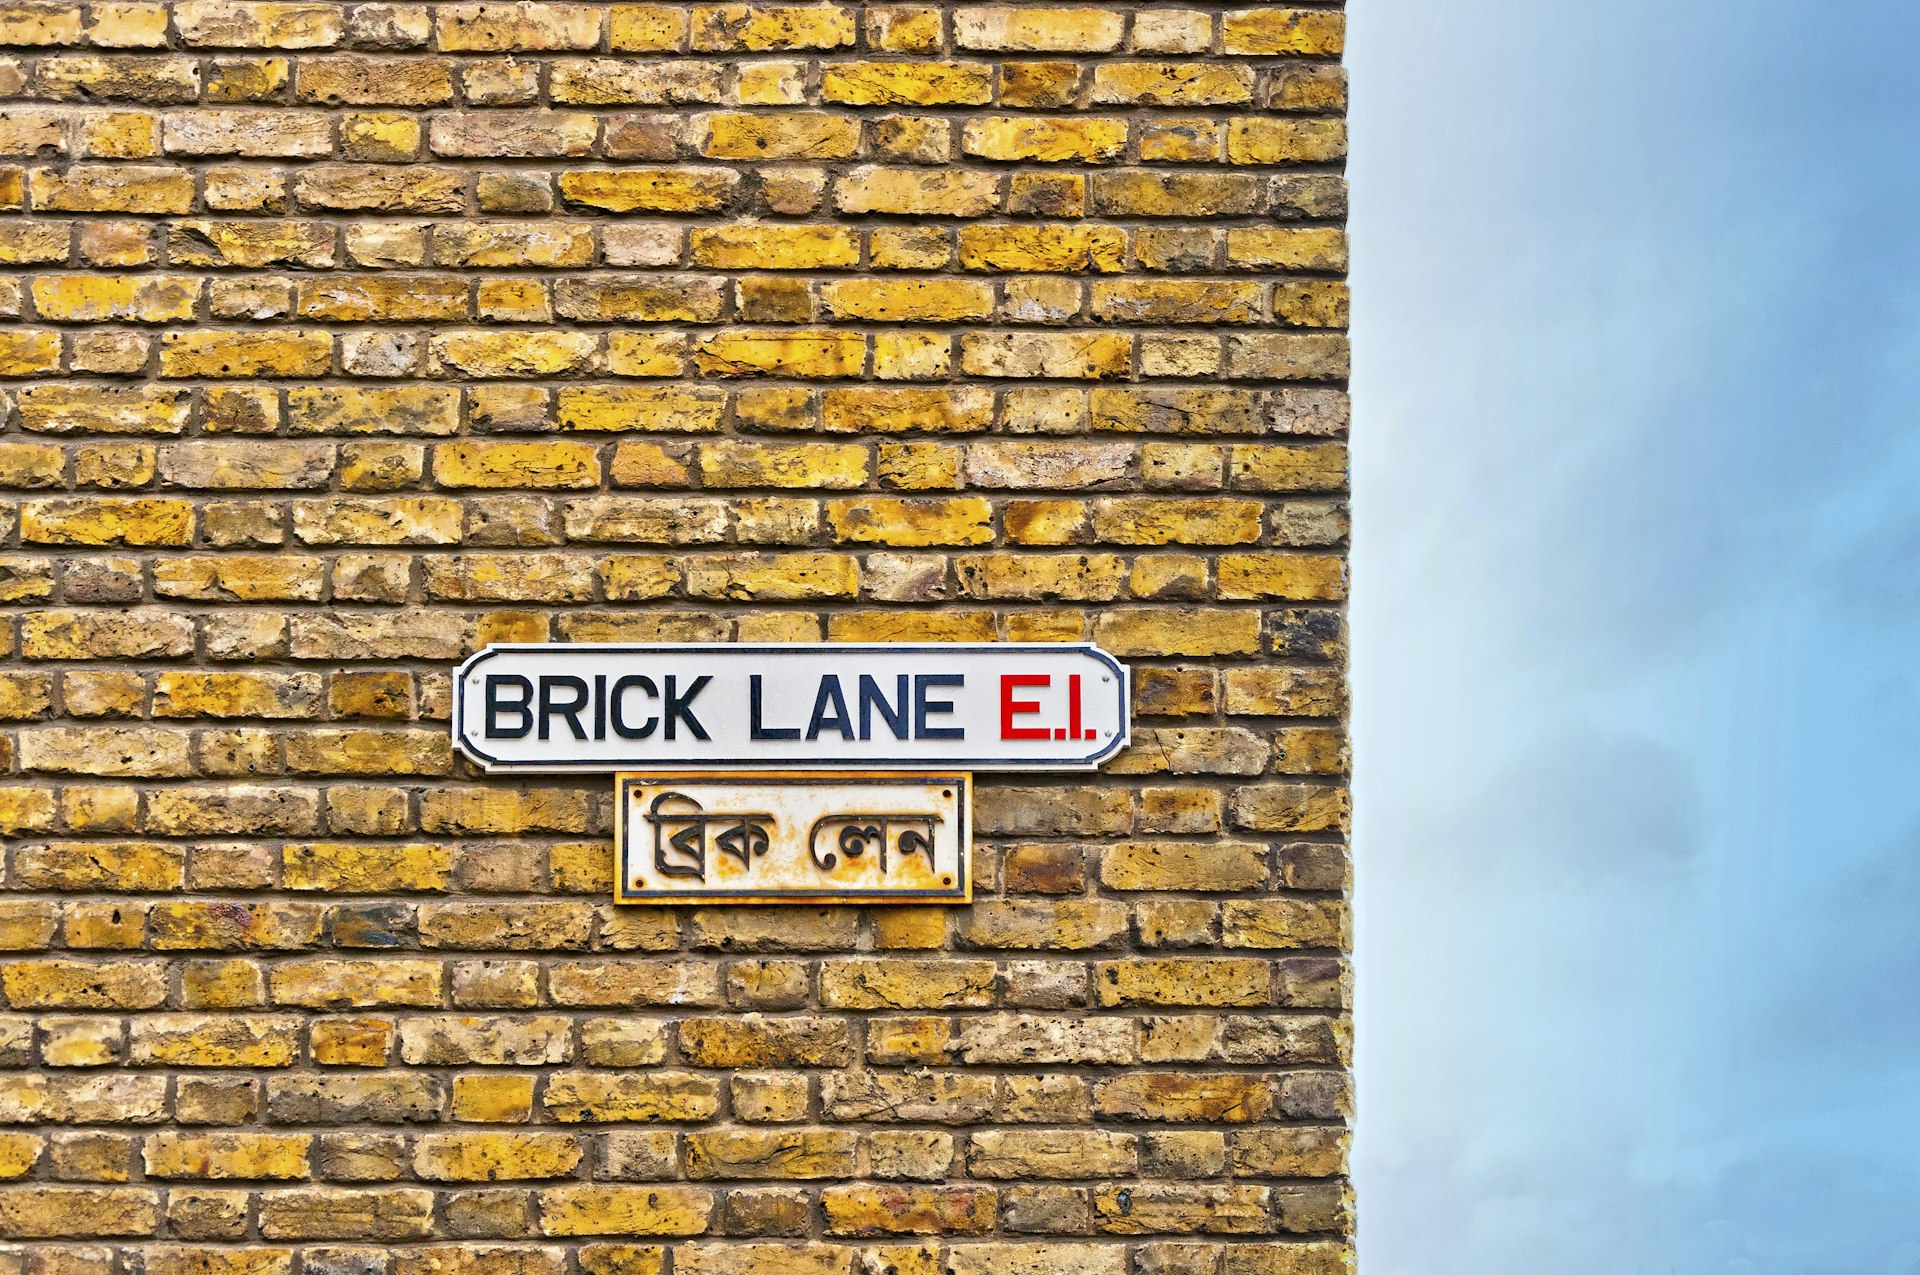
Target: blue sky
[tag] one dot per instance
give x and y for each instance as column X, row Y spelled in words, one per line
column 1637, row 617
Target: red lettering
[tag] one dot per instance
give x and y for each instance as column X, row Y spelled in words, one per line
column 1011, row 707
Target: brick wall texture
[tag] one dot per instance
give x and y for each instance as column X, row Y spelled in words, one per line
column 340, row 340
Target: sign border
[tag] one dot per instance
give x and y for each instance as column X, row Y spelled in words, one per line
column 961, row 893
column 802, row 763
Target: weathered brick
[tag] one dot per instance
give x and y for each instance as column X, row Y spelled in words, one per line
column 348, row 339
column 493, row 1157
column 624, row 1210
column 330, row 1213
column 908, row 1210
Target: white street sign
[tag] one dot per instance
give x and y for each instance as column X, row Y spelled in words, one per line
column 973, row 706
column 792, row 837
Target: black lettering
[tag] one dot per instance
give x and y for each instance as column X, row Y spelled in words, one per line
column 599, row 705
column 551, row 708
column 829, row 697
column 754, row 729
column 895, row 713
column 679, row 707
column 922, row 706
column 620, row 688
column 497, row 705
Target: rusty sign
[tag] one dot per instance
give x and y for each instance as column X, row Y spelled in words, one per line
column 785, row 837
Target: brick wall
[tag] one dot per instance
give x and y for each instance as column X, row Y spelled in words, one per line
column 343, row 339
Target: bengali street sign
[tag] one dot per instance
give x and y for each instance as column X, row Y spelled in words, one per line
column 809, row 706
column 726, row 837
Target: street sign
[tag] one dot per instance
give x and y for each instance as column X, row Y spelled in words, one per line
column 946, row 706
column 791, row 838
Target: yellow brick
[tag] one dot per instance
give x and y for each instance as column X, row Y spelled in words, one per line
column 746, row 577
column 226, row 1155
column 39, row 24
column 526, row 26
column 1266, row 32
column 1316, row 303
column 513, row 301
column 487, row 354
column 1194, row 631
column 493, row 1157
column 26, row 809
column 917, row 192
column 761, row 28
column 812, row 465
column 1276, row 467
column 785, row 1153
column 1137, row 193
column 550, row 464
column 909, row 248
column 28, row 352
column 1055, row 355
column 122, row 188
column 918, row 466
column 18, row 1153
column 246, row 355
column 28, row 243
column 255, row 24
column 352, row 1042
column 243, row 694
column 1150, row 521
column 864, row 410
column 1287, row 247
column 647, row 353
column 910, row 626
column 907, row 300
column 90, row 1213
column 1177, row 301
column 912, row 356
column 624, row 1210
column 757, row 247
column 383, row 298
column 907, row 83
column 366, row 869
column 121, row 135
column 646, row 28
column 640, row 299
column 1089, row 577
column 684, row 190
column 802, row 353
column 675, row 409
column 532, row 243
column 493, row 1099
column 106, row 522
column 908, row 1210
column 1046, row 139
column 1026, row 249
column 240, row 578
column 883, row 520
column 338, row 984
column 634, row 577
column 1279, row 140
column 1037, row 30
column 1299, row 576
column 31, row 464
column 779, row 135
column 68, row 984
column 1046, row 522
column 1171, row 84
column 409, row 409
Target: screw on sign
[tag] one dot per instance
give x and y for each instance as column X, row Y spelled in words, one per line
column 990, row 706
column 744, row 837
